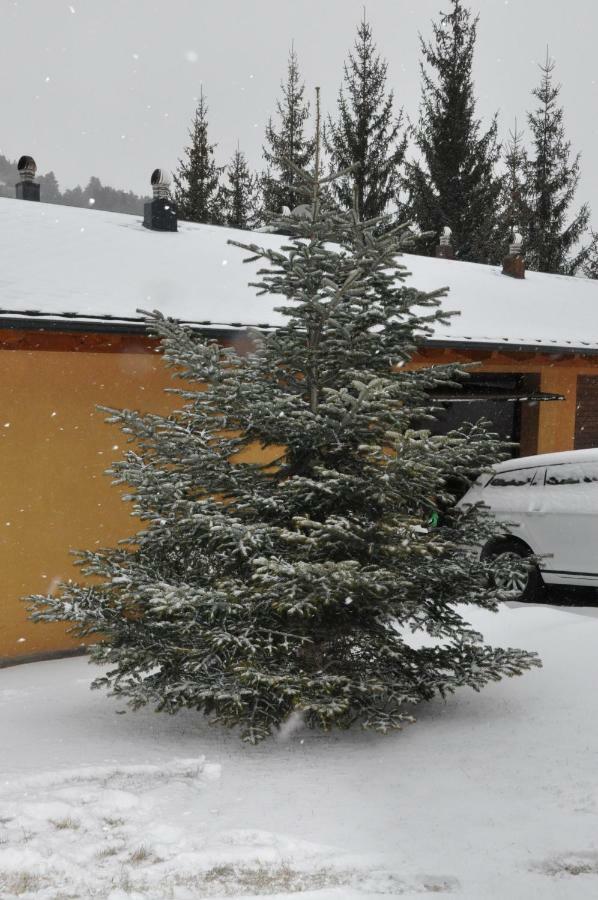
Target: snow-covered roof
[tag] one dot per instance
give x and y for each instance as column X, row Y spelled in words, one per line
column 93, row 266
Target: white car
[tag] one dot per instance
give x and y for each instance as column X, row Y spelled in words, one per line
column 549, row 507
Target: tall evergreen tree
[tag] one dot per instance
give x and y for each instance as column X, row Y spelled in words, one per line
column 198, row 190
column 287, row 145
column 553, row 234
column 258, row 591
column 455, row 182
column 241, row 193
column 515, row 210
column 366, row 134
column 515, row 157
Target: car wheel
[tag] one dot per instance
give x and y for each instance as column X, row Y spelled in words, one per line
column 526, row 584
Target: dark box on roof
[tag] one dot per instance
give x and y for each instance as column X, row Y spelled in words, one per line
column 160, row 214
column 27, row 190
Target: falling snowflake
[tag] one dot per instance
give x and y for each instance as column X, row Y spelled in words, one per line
column 191, row 56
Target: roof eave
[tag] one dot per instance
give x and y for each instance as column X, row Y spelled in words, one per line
column 68, row 323
column 511, row 346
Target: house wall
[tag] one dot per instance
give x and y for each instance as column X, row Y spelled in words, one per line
column 55, row 446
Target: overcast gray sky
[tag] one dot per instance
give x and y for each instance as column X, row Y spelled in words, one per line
column 108, row 87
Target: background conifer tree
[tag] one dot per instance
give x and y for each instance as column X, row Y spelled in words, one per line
column 241, row 193
column 366, row 134
column 514, row 185
column 515, row 210
column 103, row 197
column 198, row 190
column 50, row 190
column 99, row 196
column 294, row 586
column 553, row 234
column 455, row 181
column 287, row 144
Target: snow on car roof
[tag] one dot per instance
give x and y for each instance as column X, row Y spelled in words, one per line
column 63, row 262
column 548, row 459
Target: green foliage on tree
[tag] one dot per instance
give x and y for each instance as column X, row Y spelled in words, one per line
column 454, row 183
column 366, row 135
column 198, row 191
column 287, row 145
column 303, row 584
column 241, row 193
column 553, row 233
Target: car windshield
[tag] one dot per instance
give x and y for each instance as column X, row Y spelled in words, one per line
column 513, row 478
column 572, row 473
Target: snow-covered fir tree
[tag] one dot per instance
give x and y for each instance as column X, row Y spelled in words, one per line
column 198, row 191
column 287, row 144
column 367, row 134
column 295, row 585
column 241, row 193
column 454, row 182
column 553, row 233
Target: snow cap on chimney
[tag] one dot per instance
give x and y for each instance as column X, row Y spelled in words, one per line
column 516, row 243
column 444, row 250
column 26, row 188
column 160, row 214
column 514, row 263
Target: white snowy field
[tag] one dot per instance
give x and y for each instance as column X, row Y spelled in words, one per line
column 490, row 795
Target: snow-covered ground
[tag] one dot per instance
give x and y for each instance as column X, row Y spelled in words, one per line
column 491, row 795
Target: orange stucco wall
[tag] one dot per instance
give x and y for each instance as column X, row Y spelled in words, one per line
column 55, row 446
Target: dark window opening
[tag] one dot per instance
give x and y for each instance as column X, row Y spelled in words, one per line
column 510, row 402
